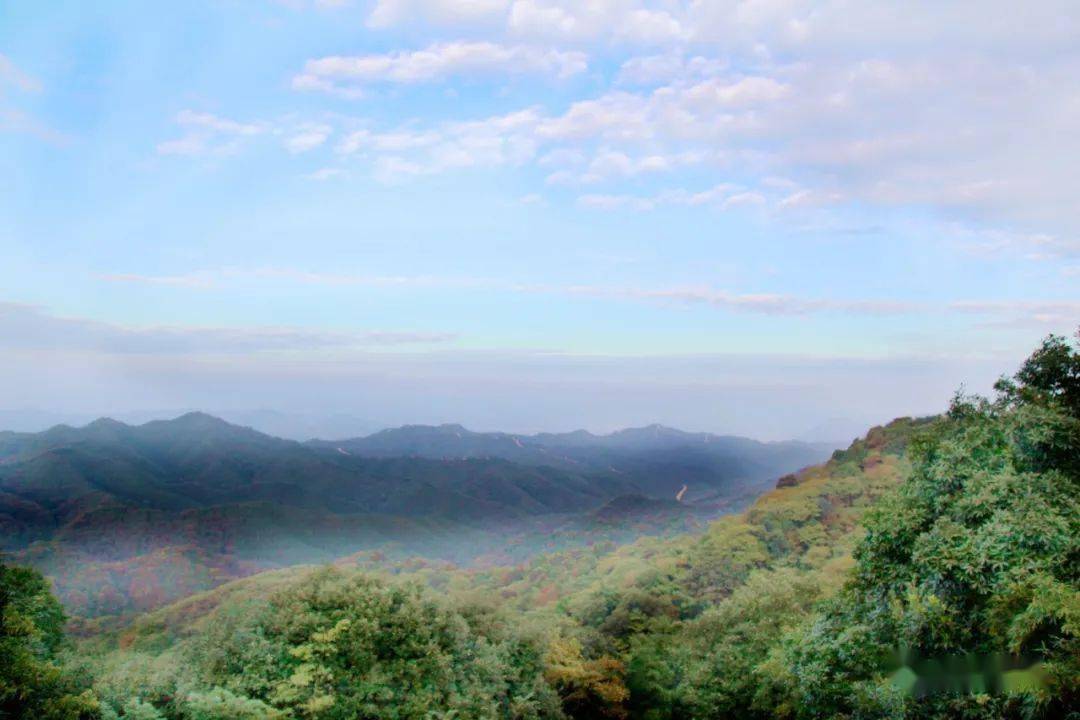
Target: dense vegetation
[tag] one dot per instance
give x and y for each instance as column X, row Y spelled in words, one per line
column 931, row 570
column 33, row 680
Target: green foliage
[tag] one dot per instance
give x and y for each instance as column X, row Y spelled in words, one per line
column 220, row 704
column 1051, row 374
column 135, row 709
column 33, row 682
column 336, row 644
column 709, row 667
column 978, row 552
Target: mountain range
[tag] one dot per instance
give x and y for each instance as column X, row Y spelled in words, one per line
column 104, row 507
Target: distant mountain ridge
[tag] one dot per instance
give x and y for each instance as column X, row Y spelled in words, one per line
column 655, row 435
column 652, row 449
column 197, row 499
column 198, row 460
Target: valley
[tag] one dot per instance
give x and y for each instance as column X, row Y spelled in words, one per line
column 123, row 518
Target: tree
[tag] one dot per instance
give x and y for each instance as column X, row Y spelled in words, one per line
column 589, row 688
column 33, row 683
column 977, row 555
column 1052, row 373
column 338, row 646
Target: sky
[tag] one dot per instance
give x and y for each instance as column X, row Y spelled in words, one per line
column 741, row 216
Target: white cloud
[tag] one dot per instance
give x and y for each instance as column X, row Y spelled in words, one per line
column 930, row 104
column 703, row 197
column 743, row 199
column 676, row 113
column 758, row 28
column 668, row 67
column 208, row 279
column 886, row 133
column 532, row 18
column 766, row 303
column 326, row 173
column 615, row 116
column 348, row 74
column 209, row 134
column 723, row 196
column 803, row 198
column 628, row 21
column 1060, row 316
column 206, row 133
column 394, row 141
column 213, row 123
column 608, row 165
column 615, row 202
column 317, row 4
column 940, row 106
column 763, row 303
column 310, row 82
column 1042, row 315
column 390, row 13
column 619, row 20
column 1031, row 246
column 649, row 27
column 753, row 27
column 308, row 138
column 501, row 140
column 187, row 145
column 192, row 280
column 25, row 327
column 829, row 25
column 743, row 92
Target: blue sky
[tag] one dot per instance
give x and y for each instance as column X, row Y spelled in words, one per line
column 588, row 213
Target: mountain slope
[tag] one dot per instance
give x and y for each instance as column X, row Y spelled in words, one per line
column 197, row 461
column 104, row 507
column 658, row 459
column 604, row 608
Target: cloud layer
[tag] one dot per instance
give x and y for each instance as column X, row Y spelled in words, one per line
column 937, row 106
column 347, row 75
column 577, row 179
column 1052, row 315
column 25, row 327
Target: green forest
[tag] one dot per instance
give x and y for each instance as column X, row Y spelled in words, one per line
column 930, row 570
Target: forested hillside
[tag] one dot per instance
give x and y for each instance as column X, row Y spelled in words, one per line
column 126, row 518
column 659, row 459
column 931, row 570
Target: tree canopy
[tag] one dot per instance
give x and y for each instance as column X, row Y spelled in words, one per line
column 33, row 681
